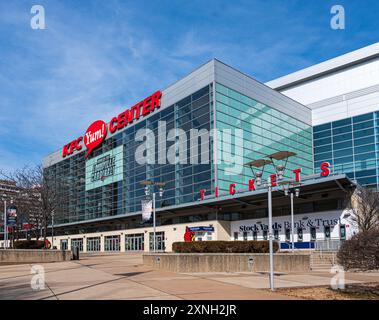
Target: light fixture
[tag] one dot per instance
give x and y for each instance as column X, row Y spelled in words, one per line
column 161, row 192
column 147, row 191
column 286, row 189
column 297, row 192
column 258, row 178
column 280, row 171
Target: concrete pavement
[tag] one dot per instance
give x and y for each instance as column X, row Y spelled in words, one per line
column 123, row 276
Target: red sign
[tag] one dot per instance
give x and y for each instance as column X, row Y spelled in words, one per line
column 96, row 132
column 94, row 135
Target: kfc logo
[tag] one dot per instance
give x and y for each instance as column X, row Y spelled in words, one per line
column 97, row 131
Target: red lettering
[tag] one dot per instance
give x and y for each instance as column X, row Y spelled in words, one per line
column 78, row 146
column 121, row 120
column 216, row 192
column 147, row 106
column 113, row 125
column 232, row 188
column 156, row 100
column 325, row 169
column 297, row 174
column 130, row 115
column 273, row 180
column 65, row 150
column 202, row 192
column 251, row 185
column 70, row 148
column 136, row 110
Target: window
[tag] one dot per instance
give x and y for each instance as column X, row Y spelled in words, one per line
column 245, row 236
column 159, row 241
column 64, row 244
column 288, row 234
column 77, row 243
column 264, row 234
column 300, row 234
column 327, row 232
column 313, row 233
column 276, row 234
column 235, row 236
column 134, row 242
column 255, row 235
column 93, row 244
column 342, row 232
column 112, row 243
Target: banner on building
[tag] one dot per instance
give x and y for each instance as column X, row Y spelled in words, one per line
column 12, row 216
column 105, row 168
column 147, row 209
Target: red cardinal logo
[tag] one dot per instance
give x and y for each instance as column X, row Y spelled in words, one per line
column 188, row 235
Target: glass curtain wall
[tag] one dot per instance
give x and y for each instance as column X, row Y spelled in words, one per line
column 265, row 131
column 351, row 146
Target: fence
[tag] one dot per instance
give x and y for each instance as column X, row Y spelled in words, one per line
column 328, row 245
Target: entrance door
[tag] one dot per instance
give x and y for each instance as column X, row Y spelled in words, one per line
column 160, row 245
column 64, row 244
column 134, row 242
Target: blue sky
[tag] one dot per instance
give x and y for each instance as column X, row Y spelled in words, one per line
column 95, row 58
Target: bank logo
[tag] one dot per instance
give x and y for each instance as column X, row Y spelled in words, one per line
column 105, row 169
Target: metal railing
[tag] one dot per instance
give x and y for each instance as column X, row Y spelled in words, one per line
column 328, row 245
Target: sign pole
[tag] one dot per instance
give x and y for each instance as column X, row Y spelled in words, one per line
column 52, row 230
column 5, row 224
column 292, row 224
column 154, row 244
column 270, row 236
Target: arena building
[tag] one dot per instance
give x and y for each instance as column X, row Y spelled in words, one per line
column 196, row 137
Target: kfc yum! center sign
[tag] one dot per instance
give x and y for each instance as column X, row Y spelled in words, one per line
column 97, row 131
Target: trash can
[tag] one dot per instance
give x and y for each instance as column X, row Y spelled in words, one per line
column 75, row 253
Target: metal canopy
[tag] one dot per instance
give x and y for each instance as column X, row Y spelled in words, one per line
column 289, row 182
column 280, row 155
column 258, row 163
column 309, row 186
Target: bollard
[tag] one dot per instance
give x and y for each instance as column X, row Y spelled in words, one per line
column 75, row 253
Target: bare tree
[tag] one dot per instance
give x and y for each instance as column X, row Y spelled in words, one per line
column 37, row 197
column 364, row 203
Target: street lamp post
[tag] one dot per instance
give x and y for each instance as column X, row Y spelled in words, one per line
column 279, row 172
column 5, row 224
column 288, row 191
column 147, row 193
column 154, row 224
column 270, row 235
column 52, row 230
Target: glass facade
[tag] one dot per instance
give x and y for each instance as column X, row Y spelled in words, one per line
column 87, row 192
column 265, row 131
column 351, row 146
column 108, row 182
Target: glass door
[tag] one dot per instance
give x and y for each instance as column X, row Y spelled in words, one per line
column 64, row 244
column 160, row 245
column 134, row 242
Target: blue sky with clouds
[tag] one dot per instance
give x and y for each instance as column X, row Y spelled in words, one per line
column 97, row 57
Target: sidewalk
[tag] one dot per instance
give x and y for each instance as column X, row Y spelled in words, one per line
column 122, row 276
